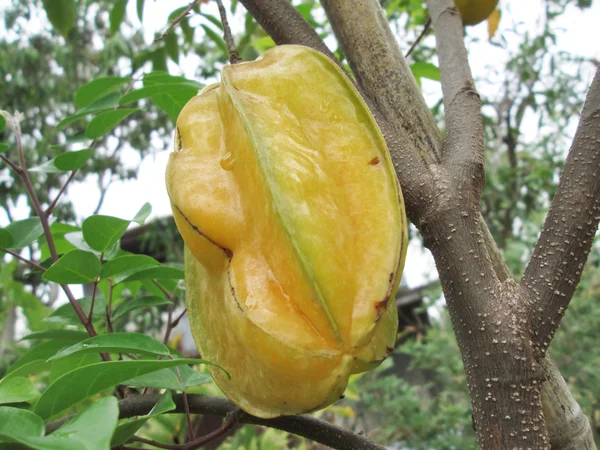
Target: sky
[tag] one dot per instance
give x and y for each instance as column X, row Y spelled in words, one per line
column 124, row 198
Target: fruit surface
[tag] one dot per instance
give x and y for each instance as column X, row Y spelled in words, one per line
column 285, row 195
column 475, row 11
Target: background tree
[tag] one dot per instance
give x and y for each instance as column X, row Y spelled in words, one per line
column 503, row 328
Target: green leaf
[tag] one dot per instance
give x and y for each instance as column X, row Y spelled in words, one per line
column 188, row 31
column 140, row 9
column 425, row 70
column 16, row 423
column 135, row 343
column 158, row 273
column 66, row 313
column 64, row 162
column 123, row 266
column 171, row 102
column 36, row 366
column 150, row 91
column 40, row 352
column 81, row 383
column 6, row 239
column 136, row 303
column 212, row 19
column 3, row 147
column 168, row 379
column 2, row 123
column 221, row 45
column 97, row 89
column 61, row 366
column 172, row 46
column 117, row 14
column 100, row 232
column 128, row 427
column 74, row 267
column 17, row 389
column 56, row 334
column 106, row 121
column 62, row 14
column 94, row 426
column 143, row 213
column 76, row 239
column 25, row 232
column 107, row 102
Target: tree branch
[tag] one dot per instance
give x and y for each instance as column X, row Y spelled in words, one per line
column 305, row 426
column 285, row 25
column 463, row 144
column 559, row 256
column 568, row 427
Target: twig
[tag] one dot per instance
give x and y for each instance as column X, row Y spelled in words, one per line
column 227, row 425
column 164, row 291
column 45, row 224
column 61, row 192
column 94, row 290
column 420, row 38
column 12, row 165
column 234, row 56
column 25, row 260
column 177, row 19
column 176, row 321
column 109, row 327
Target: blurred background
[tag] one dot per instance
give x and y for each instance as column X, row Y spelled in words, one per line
column 532, row 73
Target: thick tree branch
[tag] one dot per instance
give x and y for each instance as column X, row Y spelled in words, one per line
column 559, row 256
column 306, row 426
column 463, row 144
column 377, row 62
column 284, row 24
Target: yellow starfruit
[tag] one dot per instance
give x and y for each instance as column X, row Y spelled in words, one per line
column 284, row 192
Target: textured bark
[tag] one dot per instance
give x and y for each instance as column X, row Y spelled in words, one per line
column 568, row 427
column 491, row 314
column 556, row 265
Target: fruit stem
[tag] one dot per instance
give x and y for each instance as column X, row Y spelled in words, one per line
column 234, row 56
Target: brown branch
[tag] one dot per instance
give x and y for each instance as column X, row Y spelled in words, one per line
column 308, row 427
column 284, row 24
column 12, row 165
column 45, row 224
column 463, row 144
column 426, row 28
column 25, row 260
column 60, row 193
column 229, row 422
column 234, row 56
column 559, row 256
column 176, row 20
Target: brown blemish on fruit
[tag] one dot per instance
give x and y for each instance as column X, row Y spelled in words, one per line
column 179, row 140
column 374, row 161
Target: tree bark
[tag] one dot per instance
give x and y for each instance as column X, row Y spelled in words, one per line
column 492, row 316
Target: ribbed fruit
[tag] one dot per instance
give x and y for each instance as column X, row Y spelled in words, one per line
column 284, row 192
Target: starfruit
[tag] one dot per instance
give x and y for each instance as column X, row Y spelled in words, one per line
column 284, row 192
